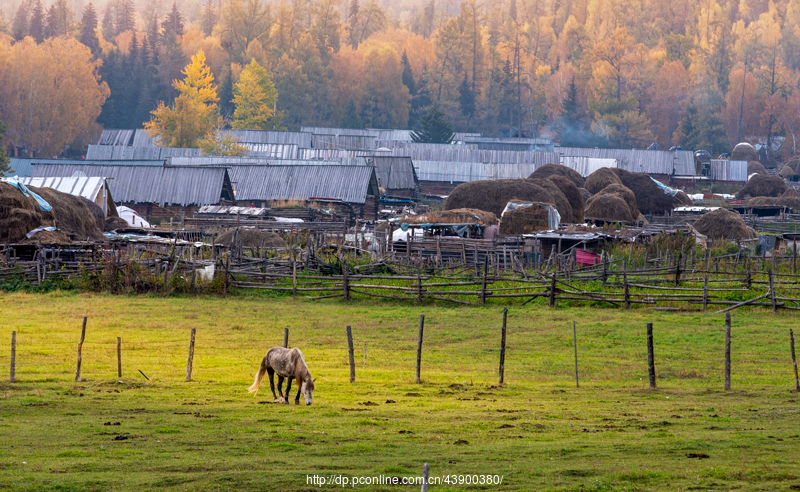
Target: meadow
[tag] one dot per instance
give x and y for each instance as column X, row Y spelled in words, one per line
column 537, row 431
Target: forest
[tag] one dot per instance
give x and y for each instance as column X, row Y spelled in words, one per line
column 699, row 74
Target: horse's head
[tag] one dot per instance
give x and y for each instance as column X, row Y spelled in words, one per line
column 307, row 389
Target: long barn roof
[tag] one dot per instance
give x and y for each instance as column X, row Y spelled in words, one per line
column 162, row 185
column 677, row 162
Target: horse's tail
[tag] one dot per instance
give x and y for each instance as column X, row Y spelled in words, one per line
column 259, row 377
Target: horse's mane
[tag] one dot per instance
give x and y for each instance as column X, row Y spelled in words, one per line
column 307, row 373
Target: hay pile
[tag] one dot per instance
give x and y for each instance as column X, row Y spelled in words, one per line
column 493, row 196
column 755, row 167
column 252, row 238
column 760, row 185
column 683, row 199
column 525, row 220
column 96, row 211
column 791, row 202
column 787, row 172
column 790, row 193
column 572, row 194
column 724, row 224
column 793, row 163
column 585, row 194
column 71, row 214
column 457, row 216
column 114, row 223
column 47, row 237
column 744, row 152
column 558, row 170
column 19, row 214
column 600, row 179
column 614, row 203
column 650, row 198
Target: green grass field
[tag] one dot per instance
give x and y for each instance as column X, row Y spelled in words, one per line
column 538, row 431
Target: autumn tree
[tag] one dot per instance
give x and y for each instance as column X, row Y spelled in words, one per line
column 4, row 160
column 49, row 93
column 241, row 23
column 255, row 98
column 193, row 114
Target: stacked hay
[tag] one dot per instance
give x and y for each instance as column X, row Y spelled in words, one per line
column 744, row 152
column 787, row 173
column 252, row 238
column 525, row 220
column 793, row 163
column 96, row 211
column 585, row 194
column 19, row 214
column 47, row 237
column 650, row 198
column 755, row 167
column 558, row 170
column 781, row 201
column 760, row 185
column 457, row 216
column 724, row 224
column 572, row 194
column 614, row 203
column 600, row 179
column 71, row 214
column 493, row 196
column 790, row 193
column 562, row 203
column 683, row 198
column 114, row 223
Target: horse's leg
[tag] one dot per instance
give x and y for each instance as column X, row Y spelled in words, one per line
column 297, row 398
column 271, row 373
column 288, row 388
column 280, row 391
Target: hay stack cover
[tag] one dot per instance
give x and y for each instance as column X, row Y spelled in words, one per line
column 525, row 220
column 252, row 238
column 744, row 152
column 548, row 170
column 494, row 195
column 755, row 167
column 760, row 185
column 600, row 179
column 724, row 224
column 572, row 194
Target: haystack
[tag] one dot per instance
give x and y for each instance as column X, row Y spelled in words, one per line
column 724, row 224
column 683, row 199
column 790, row 202
column 47, row 237
column 457, row 216
column 558, row 170
column 744, row 152
column 19, row 214
column 625, row 193
column 114, row 223
column 72, row 215
column 600, row 179
column 525, row 220
column 608, row 208
column 755, row 167
column 572, row 194
column 650, row 198
column 562, row 203
column 493, row 196
column 787, row 173
column 96, row 211
column 585, row 194
column 793, row 163
column 790, row 193
column 252, row 238
column 760, row 185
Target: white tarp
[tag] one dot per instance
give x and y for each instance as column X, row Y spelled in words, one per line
column 553, row 217
column 132, row 218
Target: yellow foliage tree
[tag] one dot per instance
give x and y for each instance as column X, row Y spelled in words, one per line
column 255, row 97
column 49, row 93
column 193, row 114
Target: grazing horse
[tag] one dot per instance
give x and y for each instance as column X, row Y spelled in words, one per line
column 289, row 364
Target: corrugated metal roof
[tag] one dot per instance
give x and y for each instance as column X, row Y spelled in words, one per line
column 115, row 152
column 395, row 144
column 725, row 170
column 271, row 150
column 168, row 185
column 461, row 172
column 116, row 137
column 669, row 162
column 587, row 165
column 24, row 167
column 346, row 142
column 332, row 154
column 395, row 173
column 301, row 139
column 452, row 153
column 87, row 186
column 346, row 183
column 250, row 161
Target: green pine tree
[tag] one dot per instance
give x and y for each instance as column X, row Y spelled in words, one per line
column 351, row 119
column 466, row 98
column 435, row 128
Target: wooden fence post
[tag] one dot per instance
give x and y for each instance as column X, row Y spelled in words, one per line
column 119, row 357
column 191, row 356
column 80, row 348
column 483, row 280
column 294, row 278
column 286, row 337
column 503, row 347
column 705, row 292
column 727, row 351
column 425, row 472
column 651, row 362
column 553, row 291
column 575, row 344
column 419, row 345
column 345, row 283
column 626, row 289
column 350, row 353
column 772, row 293
column 794, row 361
column 14, row 356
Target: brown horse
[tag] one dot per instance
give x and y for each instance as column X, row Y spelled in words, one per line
column 289, row 364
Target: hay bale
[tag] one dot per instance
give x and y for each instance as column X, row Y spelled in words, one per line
column 600, row 179
column 761, row 185
column 252, row 238
column 548, row 170
column 525, row 220
column 19, row 214
column 650, row 198
column 585, row 194
column 724, row 224
column 787, row 172
column 96, row 211
column 623, row 192
column 793, row 163
column 560, row 200
column 71, row 214
column 781, row 201
column 493, row 196
column 114, row 223
column 48, row 237
column 744, row 152
column 457, row 216
column 609, row 207
column 683, row 199
column 755, row 167
column 573, row 195
column 790, row 193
